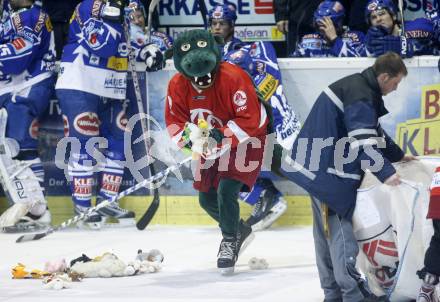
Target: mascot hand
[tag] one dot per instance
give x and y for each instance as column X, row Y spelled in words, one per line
column 152, row 56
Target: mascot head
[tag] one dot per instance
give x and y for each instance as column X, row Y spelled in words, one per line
column 196, row 55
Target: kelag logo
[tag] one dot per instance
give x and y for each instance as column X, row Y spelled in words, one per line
column 183, row 12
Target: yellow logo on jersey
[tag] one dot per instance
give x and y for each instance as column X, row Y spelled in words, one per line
column 72, row 17
column 49, row 26
column 118, row 64
column 268, row 86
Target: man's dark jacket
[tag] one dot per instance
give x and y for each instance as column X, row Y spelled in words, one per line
column 341, row 137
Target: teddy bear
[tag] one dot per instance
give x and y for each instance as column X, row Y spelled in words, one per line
column 105, row 266
column 150, row 262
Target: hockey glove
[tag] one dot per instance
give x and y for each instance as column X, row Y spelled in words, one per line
column 114, row 11
column 378, row 44
column 216, row 134
column 376, row 32
column 152, row 56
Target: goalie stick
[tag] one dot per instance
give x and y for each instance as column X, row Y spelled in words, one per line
column 152, row 209
column 75, row 219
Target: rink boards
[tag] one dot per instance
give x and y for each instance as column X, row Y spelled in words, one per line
column 181, row 210
column 413, row 121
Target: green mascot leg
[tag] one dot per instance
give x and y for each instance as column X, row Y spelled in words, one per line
column 222, row 205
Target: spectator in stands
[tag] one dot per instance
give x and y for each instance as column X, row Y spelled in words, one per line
column 331, row 39
column 60, row 13
column 386, row 34
column 294, row 19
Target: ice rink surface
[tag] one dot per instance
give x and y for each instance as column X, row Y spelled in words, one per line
column 189, row 270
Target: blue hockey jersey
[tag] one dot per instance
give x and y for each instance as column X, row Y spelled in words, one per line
column 234, row 44
column 420, row 37
column 349, row 44
column 139, row 38
column 95, row 57
column 260, row 61
column 26, row 49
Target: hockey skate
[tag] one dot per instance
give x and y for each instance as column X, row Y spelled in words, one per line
column 30, row 223
column 244, row 237
column 427, row 291
column 267, row 210
column 92, row 222
column 115, row 215
column 227, row 255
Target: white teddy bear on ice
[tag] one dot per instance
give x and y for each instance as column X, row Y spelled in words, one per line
column 109, row 265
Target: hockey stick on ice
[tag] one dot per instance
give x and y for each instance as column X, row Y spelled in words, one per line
column 75, row 219
column 152, row 209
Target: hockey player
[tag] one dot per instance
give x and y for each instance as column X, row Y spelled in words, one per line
column 92, row 89
column 260, row 62
column 206, row 89
column 27, row 61
column 385, row 33
column 331, row 40
column 431, row 272
column 138, row 31
column 344, row 119
column 221, row 21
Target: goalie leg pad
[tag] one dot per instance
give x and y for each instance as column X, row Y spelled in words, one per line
column 39, row 208
column 19, row 182
column 382, row 253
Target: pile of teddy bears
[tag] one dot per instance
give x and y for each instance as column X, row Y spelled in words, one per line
column 57, row 275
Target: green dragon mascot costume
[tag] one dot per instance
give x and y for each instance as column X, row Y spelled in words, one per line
column 222, row 97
